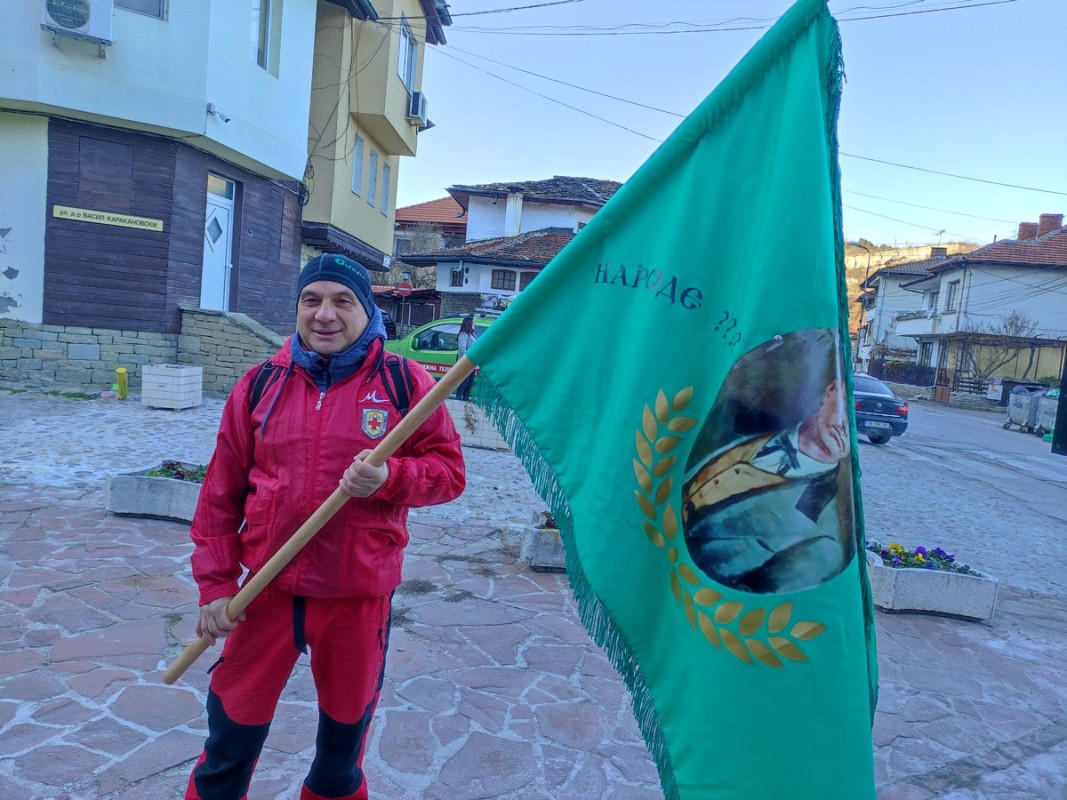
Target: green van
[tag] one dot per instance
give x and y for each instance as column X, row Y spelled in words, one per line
column 433, row 345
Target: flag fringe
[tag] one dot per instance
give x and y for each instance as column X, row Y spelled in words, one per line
column 835, row 79
column 596, row 618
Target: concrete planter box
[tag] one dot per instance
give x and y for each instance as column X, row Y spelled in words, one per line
column 931, row 591
column 542, row 549
column 474, row 429
column 139, row 495
column 171, row 386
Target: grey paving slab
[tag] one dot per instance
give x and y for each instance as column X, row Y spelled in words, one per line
column 493, row 688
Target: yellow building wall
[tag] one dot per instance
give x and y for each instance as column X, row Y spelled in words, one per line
column 358, row 92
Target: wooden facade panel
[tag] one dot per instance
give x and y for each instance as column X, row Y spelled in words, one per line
column 97, row 275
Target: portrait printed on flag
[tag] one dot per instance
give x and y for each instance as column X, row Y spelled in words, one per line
column 767, row 498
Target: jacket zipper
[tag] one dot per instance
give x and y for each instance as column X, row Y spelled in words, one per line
column 318, row 405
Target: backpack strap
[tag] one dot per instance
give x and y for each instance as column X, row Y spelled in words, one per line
column 401, row 386
column 266, row 375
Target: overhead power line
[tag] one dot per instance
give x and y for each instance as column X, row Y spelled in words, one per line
column 721, row 26
column 676, row 114
column 953, row 175
column 551, row 99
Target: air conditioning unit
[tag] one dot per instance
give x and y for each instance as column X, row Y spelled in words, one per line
column 83, row 19
column 417, row 110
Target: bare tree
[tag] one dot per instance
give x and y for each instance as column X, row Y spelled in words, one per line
column 986, row 348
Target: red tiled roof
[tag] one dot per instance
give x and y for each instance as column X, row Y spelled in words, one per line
column 1049, row 250
column 445, row 211
column 536, row 248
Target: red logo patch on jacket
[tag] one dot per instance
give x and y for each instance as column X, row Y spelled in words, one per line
column 375, row 421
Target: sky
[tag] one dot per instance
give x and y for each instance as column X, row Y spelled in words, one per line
column 971, row 88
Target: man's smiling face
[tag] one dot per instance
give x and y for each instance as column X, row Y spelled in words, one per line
column 329, row 317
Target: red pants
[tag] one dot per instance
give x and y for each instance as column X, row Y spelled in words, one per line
column 348, row 639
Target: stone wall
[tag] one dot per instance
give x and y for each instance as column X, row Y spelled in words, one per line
column 75, row 356
column 975, row 402
column 225, row 344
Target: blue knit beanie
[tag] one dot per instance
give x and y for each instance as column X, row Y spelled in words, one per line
column 335, row 267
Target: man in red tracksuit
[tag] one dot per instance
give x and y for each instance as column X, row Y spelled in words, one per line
column 276, row 460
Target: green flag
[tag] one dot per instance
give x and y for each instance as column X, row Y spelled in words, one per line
column 675, row 383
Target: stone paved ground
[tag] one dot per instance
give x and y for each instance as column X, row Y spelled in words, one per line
column 493, row 689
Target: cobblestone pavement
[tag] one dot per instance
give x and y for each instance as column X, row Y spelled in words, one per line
column 493, row 689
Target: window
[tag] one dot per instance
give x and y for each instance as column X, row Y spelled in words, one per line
column 525, row 278
column 372, row 178
column 265, row 34
column 926, row 350
column 387, row 173
column 503, row 279
column 457, row 276
column 953, row 296
column 150, row 8
column 439, row 337
column 219, row 186
column 357, row 166
column 934, row 298
column 409, row 55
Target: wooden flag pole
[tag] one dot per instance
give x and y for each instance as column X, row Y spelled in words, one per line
column 378, row 456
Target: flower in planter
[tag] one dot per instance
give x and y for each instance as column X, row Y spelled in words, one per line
column 548, row 522
column 179, row 471
column 920, row 558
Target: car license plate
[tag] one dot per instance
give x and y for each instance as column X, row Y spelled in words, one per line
column 870, row 423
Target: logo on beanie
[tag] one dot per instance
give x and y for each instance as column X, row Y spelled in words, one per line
column 341, row 261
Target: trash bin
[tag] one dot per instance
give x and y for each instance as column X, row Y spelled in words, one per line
column 1047, row 406
column 1022, row 408
column 999, row 389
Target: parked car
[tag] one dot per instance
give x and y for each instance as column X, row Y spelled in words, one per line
column 433, row 345
column 390, row 326
column 880, row 414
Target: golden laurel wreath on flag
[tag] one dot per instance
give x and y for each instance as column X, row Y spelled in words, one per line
column 722, row 623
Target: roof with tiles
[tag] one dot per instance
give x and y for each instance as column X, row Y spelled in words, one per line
column 445, row 211
column 937, row 257
column 1047, row 250
column 535, row 248
column 560, row 188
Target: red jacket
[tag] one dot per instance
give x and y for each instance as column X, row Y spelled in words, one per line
column 273, row 479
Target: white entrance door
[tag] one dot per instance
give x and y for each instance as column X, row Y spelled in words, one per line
column 218, row 238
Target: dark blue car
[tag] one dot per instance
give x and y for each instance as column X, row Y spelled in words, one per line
column 880, row 414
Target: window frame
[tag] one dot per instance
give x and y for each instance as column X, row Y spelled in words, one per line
column 387, row 177
column 357, row 166
column 131, row 5
column 501, row 278
column 953, row 296
column 265, row 34
column 407, row 61
column 372, row 178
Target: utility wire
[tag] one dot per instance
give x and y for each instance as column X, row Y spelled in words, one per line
column 953, row 175
column 913, row 224
column 930, row 208
column 563, row 83
column 675, row 114
column 551, row 99
column 490, row 11
column 751, row 23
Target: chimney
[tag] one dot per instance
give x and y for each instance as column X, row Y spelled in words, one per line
column 1048, row 223
column 1027, row 231
column 938, row 252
